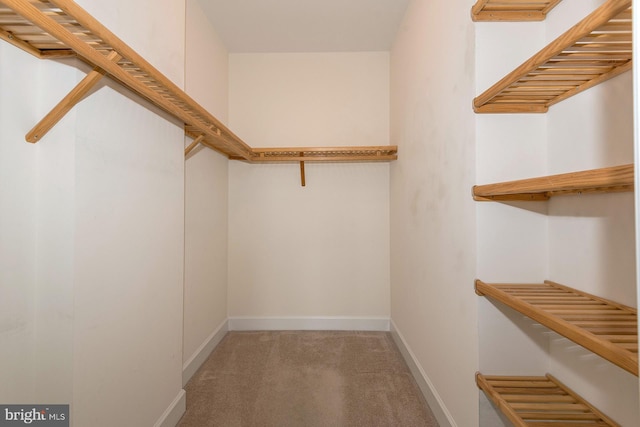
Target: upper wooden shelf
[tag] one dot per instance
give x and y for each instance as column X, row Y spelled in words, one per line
column 540, row 401
column 605, row 180
column 512, row 10
column 594, row 50
column 60, row 28
column 604, row 327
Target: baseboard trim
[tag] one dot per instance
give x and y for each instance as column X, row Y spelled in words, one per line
column 443, row 416
column 309, row 324
column 192, row 365
column 174, row 412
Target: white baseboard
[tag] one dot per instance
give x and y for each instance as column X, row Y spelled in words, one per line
column 309, row 324
column 174, row 412
column 202, row 353
column 443, row 416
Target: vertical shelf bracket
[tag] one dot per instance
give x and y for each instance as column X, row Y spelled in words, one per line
column 303, row 180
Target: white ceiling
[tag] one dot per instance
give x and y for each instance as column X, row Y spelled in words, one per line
column 305, row 25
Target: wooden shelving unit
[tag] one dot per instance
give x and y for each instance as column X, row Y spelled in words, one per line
column 594, row 50
column 604, row 327
column 512, row 10
column 611, row 179
column 60, row 28
column 591, row 52
column 540, row 402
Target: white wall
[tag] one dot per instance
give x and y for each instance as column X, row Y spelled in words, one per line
column 433, row 243
column 36, row 228
column 55, row 254
column 310, row 99
column 206, row 192
column 17, row 226
column 320, row 250
column 129, row 233
column 129, row 236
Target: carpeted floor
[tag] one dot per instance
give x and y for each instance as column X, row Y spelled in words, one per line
column 305, row 379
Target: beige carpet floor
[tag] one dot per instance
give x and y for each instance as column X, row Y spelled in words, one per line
column 305, row 379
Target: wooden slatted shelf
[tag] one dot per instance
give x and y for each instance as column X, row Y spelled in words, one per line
column 319, row 154
column 610, row 179
column 604, row 327
column 60, row 28
column 594, row 50
column 512, row 10
column 543, row 401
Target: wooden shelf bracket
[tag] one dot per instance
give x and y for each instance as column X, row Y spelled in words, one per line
column 193, row 144
column 303, row 179
column 68, row 102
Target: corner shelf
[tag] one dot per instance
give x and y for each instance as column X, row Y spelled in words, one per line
column 610, row 179
column 60, row 28
column 604, row 327
column 594, row 50
column 512, row 10
column 540, row 401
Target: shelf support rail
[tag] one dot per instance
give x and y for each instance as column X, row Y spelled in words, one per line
column 303, row 180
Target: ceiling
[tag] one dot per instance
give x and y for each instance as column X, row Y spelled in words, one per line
column 305, row 25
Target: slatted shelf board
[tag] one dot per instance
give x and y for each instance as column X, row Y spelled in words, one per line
column 512, row 10
column 610, row 179
column 540, row 402
column 604, row 327
column 320, row 154
column 59, row 28
column 594, row 50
